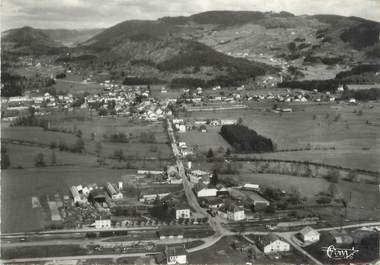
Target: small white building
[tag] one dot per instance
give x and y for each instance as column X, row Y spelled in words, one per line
column 176, row 255
column 272, row 244
column 309, row 235
column 227, row 122
column 99, row 224
column 182, row 211
column 249, row 186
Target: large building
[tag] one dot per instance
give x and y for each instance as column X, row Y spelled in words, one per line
column 201, row 190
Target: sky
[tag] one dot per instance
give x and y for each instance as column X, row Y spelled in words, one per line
column 105, row 13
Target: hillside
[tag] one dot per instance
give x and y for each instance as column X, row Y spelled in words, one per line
column 69, row 38
column 28, row 40
column 319, row 46
column 156, row 48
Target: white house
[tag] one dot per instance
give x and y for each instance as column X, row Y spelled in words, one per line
column 310, row 235
column 233, row 212
column 102, row 224
column 272, row 244
column 176, row 255
column 182, row 211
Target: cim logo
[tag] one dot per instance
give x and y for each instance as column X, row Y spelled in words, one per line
column 340, row 253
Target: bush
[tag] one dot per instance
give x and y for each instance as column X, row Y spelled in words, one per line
column 39, row 160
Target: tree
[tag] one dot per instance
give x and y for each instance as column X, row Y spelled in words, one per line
column 39, row 160
column 228, row 152
column 210, row 153
column 53, row 158
column 79, row 133
column 119, row 155
column 352, row 176
column 240, row 121
column 5, row 161
column 214, row 178
column 79, row 146
column 332, row 189
column 98, row 148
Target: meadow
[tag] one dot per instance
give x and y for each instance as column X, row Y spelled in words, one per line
column 351, row 130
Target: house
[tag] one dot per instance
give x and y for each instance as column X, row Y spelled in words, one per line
column 341, row 238
column 272, row 244
column 232, row 212
column 211, row 202
column 199, row 175
column 150, row 197
column 176, row 255
column 310, row 235
column 201, row 190
column 102, row 224
column 182, row 211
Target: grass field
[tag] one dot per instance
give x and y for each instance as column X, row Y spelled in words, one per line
column 23, row 155
column 205, row 141
column 18, row 186
column 36, row 134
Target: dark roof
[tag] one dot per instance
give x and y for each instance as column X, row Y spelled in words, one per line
column 266, row 240
column 175, row 251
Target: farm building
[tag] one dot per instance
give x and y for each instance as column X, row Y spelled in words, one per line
column 176, row 255
column 182, row 211
column 272, row 244
column 115, row 194
column 310, row 235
